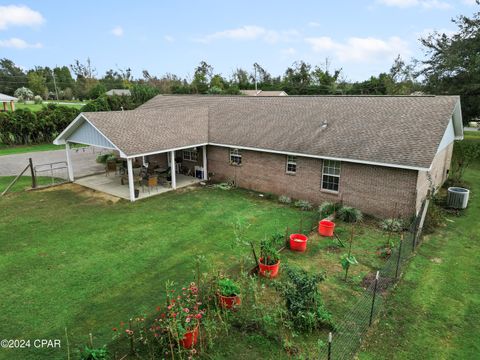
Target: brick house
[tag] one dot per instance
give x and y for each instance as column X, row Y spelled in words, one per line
column 376, row 153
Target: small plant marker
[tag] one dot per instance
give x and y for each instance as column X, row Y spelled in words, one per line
column 329, row 345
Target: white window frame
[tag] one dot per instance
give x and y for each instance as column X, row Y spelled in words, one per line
column 331, row 164
column 235, row 157
column 190, row 155
column 291, row 160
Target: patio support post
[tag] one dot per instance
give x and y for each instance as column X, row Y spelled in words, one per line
column 131, row 185
column 205, row 171
column 173, row 170
column 69, row 162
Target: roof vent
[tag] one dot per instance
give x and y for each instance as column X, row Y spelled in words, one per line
column 457, row 197
column 324, row 125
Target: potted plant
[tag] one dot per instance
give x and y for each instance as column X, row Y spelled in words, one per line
column 228, row 293
column 184, row 314
column 269, row 262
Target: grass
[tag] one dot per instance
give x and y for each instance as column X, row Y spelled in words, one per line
column 434, row 313
column 25, row 182
column 19, row 149
column 73, row 261
column 37, row 107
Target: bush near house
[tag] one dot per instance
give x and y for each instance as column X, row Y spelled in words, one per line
column 24, row 127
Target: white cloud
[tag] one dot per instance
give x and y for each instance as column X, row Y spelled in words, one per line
column 313, row 24
column 357, row 49
column 470, row 2
column 17, row 43
column 288, row 52
column 117, row 31
column 426, row 4
column 169, row 38
column 426, row 32
column 249, row 32
column 15, row 15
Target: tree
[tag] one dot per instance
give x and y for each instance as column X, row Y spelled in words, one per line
column 202, row 77
column 23, row 94
column 83, row 70
column 453, row 66
column 240, row 78
column 11, row 77
column 37, row 83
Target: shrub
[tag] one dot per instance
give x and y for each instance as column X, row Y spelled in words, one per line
column 304, row 205
column 328, row 208
column 23, row 94
column 103, row 158
column 303, row 301
column 349, row 214
column 285, row 199
column 268, row 250
column 392, row 225
column 38, row 99
column 88, row 353
column 226, row 287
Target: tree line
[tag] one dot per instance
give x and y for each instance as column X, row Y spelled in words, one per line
column 451, row 66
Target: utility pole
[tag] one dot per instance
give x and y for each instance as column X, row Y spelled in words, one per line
column 255, row 70
column 54, row 83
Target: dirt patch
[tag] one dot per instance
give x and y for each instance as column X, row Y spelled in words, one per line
column 436, row 260
column 383, row 283
column 84, row 192
column 333, row 249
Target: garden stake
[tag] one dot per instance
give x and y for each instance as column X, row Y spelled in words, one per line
column 349, row 251
column 91, row 340
column 68, row 345
column 254, row 254
column 132, row 350
column 286, row 236
column 329, row 345
column 373, row 298
column 338, row 238
column 399, row 256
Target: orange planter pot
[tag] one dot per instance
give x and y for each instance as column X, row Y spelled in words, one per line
column 298, row 242
column 228, row 302
column 326, row 227
column 269, row 271
column 190, row 339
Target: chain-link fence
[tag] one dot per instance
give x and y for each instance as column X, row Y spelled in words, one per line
column 349, row 333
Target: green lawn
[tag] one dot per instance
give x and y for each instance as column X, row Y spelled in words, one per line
column 19, row 149
column 25, row 182
column 70, row 260
column 434, row 313
column 37, row 107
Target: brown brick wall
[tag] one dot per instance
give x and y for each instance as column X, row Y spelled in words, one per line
column 373, row 189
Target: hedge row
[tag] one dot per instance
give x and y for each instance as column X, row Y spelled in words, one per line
column 24, row 127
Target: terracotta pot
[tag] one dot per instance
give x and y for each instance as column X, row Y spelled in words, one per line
column 298, row 242
column 190, row 338
column 228, row 302
column 269, row 271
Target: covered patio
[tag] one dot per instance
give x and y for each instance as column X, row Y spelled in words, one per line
column 132, row 172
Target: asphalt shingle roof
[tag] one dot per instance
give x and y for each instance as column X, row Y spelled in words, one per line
column 395, row 130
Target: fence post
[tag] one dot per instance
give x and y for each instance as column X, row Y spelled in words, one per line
column 329, row 346
column 373, row 298
column 34, row 179
column 399, row 256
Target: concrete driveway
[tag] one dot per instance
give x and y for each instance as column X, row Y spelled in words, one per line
column 83, row 160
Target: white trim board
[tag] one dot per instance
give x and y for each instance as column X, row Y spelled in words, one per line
column 165, row 151
column 416, row 168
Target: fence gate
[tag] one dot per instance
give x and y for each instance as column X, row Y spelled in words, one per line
column 57, row 171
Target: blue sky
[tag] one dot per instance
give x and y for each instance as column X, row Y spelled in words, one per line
column 362, row 37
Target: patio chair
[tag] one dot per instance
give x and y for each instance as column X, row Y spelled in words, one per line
column 150, row 182
column 110, row 166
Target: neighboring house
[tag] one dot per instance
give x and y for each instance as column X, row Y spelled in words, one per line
column 118, row 92
column 7, row 99
column 380, row 154
column 262, row 93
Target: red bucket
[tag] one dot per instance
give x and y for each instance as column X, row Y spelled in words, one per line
column 326, row 227
column 190, row 338
column 228, row 302
column 269, row 271
column 298, row 242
